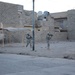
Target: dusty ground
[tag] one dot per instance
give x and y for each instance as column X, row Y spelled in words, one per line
column 64, row 49
column 27, row 61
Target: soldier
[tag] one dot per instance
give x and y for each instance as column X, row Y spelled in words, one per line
column 29, row 38
column 48, row 37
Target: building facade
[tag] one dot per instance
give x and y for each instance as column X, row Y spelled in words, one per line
column 61, row 24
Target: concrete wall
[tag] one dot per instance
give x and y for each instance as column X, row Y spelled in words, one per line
column 9, row 14
column 60, row 36
column 13, row 15
column 71, row 24
column 28, row 17
column 40, row 36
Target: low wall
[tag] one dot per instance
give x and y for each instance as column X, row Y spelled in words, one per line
column 40, row 36
column 60, row 36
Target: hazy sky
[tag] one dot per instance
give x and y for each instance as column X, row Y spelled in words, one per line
column 46, row 5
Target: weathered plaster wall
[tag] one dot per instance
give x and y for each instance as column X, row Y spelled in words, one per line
column 71, row 24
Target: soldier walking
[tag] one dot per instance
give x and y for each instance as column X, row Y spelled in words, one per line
column 29, row 40
column 48, row 37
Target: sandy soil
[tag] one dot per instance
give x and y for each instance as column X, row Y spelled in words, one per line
column 61, row 49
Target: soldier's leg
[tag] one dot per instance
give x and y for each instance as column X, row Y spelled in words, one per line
column 27, row 43
column 48, row 44
column 31, row 41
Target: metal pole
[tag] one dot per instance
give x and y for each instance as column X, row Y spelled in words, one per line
column 33, row 22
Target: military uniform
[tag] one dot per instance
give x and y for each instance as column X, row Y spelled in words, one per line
column 48, row 37
column 29, row 38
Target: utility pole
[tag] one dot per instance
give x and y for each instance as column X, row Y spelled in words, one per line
column 33, row 22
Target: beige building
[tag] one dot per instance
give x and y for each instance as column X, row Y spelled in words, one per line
column 61, row 24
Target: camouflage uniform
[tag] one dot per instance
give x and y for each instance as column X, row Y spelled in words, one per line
column 48, row 37
column 29, row 38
